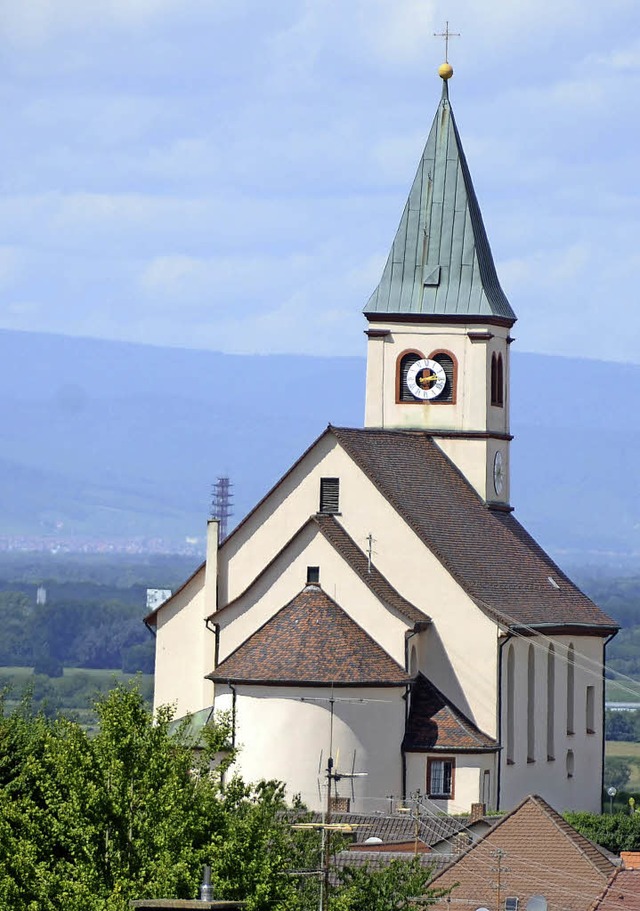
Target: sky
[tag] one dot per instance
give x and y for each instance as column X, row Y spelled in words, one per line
column 229, row 174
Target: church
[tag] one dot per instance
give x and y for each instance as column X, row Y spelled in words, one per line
column 381, row 610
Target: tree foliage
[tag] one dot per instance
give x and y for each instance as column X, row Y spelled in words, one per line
column 616, row 832
column 617, row 772
column 400, row 886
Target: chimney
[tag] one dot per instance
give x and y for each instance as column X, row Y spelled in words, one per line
column 478, row 811
column 630, row 860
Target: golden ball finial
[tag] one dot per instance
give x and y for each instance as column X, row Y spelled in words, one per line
column 445, row 71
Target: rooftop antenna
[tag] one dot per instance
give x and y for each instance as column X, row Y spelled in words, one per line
column 221, row 503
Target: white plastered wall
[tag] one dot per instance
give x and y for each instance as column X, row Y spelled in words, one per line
column 289, row 739
column 472, row 411
column 461, row 655
column 468, row 779
column 550, row 777
column 285, row 579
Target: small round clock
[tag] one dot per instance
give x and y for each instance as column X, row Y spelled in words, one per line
column 498, row 472
column 426, row 379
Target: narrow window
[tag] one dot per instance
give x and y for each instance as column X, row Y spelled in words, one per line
column 591, row 710
column 570, row 763
column 551, row 703
column 497, row 380
column 486, row 788
column 446, row 362
column 570, row 688
column 440, row 777
column 510, row 704
column 330, row 495
column 406, row 362
column 313, row 575
column 531, row 705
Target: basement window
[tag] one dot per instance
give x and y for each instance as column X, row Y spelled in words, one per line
column 313, row 575
column 330, row 495
column 511, row 904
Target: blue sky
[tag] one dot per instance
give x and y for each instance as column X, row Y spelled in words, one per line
column 229, row 174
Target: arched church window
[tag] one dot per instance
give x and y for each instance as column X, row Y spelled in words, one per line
column 497, row 380
column 510, row 704
column 551, row 702
column 405, row 363
column 531, row 706
column 570, row 688
column 448, row 364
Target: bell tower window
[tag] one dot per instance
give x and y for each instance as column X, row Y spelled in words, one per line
column 448, row 364
column 405, row 363
column 497, row 380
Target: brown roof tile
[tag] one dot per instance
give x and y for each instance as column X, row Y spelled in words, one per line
column 622, row 892
column 435, row 723
column 541, row 855
column 311, row 641
column 490, row 554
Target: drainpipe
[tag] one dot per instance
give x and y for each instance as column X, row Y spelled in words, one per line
column 233, row 712
column 418, row 627
column 215, row 629
column 151, row 629
column 604, row 646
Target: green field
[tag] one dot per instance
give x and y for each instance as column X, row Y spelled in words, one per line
column 73, row 694
column 622, row 691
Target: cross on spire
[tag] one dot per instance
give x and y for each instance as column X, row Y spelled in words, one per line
column 446, row 35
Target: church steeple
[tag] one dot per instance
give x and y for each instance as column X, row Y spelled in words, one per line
column 440, row 262
column 439, row 322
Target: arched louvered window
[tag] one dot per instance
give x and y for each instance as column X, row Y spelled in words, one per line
column 497, row 380
column 405, row 362
column 448, row 364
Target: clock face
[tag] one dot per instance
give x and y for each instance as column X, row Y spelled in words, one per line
column 426, row 379
column 498, row 472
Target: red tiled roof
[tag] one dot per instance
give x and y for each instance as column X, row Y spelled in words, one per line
column 622, row 892
column 311, row 642
column 542, row 854
column 435, row 723
column 489, row 553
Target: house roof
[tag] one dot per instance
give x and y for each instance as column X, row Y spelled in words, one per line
column 335, row 534
column 487, row 551
column 621, row 892
column 435, row 723
column 397, row 827
column 542, row 854
column 311, row 642
column 440, row 261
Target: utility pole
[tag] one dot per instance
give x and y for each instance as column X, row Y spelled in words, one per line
column 499, row 870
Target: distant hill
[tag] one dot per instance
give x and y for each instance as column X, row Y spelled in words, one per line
column 113, row 440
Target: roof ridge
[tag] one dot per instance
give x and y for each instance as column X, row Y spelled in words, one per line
column 405, row 607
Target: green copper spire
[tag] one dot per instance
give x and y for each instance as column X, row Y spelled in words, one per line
column 440, row 263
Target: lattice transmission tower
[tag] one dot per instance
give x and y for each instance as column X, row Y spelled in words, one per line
column 222, row 504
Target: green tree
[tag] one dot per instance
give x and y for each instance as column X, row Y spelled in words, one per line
column 402, row 885
column 617, row 772
column 616, row 832
column 133, row 812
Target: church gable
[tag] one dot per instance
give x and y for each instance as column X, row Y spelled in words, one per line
column 309, row 642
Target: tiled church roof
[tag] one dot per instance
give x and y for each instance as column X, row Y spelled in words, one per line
column 488, row 552
column 434, row 723
column 311, row 642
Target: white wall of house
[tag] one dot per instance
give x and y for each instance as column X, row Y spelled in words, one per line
column 470, row 784
column 287, row 577
column 555, row 757
column 282, row 737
